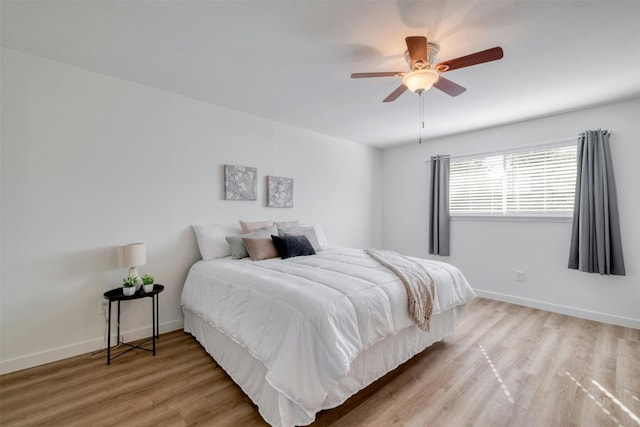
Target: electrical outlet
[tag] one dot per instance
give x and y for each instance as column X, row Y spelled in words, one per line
column 102, row 306
column 519, row 276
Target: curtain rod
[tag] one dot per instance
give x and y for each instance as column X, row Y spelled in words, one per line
column 549, row 144
column 556, row 142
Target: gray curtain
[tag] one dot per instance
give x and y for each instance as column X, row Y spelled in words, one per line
column 596, row 246
column 439, row 206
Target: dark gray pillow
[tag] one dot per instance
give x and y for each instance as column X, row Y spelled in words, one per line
column 292, row 246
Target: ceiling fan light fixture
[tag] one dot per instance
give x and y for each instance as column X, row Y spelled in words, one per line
column 420, row 80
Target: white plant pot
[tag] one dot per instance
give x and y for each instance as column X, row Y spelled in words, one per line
column 129, row 291
column 148, row 288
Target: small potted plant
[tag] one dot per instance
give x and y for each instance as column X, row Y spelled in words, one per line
column 147, row 282
column 129, row 284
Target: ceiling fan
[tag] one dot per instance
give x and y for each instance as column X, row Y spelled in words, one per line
column 425, row 73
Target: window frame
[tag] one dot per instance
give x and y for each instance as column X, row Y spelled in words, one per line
column 512, row 216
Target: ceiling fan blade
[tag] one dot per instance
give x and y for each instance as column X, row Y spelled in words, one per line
column 395, row 94
column 381, row 74
column 417, row 47
column 449, row 87
column 481, row 57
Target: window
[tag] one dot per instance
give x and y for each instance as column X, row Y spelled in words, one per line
column 538, row 181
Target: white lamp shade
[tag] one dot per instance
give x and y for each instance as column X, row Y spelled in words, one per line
column 133, row 255
column 420, row 80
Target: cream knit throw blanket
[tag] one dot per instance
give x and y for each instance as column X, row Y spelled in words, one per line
column 416, row 279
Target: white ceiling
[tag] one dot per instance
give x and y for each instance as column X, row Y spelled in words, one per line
column 290, row 61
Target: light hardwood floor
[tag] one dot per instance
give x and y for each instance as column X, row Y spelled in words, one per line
column 507, row 365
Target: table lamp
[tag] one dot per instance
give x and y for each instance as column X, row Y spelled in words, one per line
column 133, row 255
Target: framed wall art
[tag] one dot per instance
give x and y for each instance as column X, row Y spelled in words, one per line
column 279, row 192
column 240, row 182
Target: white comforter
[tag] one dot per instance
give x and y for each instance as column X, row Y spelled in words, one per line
column 307, row 318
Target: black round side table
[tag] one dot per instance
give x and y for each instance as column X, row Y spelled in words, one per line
column 117, row 295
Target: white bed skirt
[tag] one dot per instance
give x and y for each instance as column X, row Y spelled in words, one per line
column 249, row 373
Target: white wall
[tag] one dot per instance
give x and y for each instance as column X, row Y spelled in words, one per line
column 489, row 252
column 90, row 162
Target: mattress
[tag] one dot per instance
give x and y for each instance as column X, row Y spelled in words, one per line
column 309, row 328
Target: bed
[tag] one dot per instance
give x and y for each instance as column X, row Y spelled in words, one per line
column 303, row 334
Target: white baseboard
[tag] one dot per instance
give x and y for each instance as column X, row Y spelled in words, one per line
column 562, row 309
column 94, row 345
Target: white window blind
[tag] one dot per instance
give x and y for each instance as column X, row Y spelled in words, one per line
column 539, row 181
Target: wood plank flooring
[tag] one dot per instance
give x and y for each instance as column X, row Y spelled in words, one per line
column 507, row 365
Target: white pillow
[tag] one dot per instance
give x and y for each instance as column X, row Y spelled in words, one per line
column 322, row 238
column 249, row 226
column 211, row 239
column 317, row 240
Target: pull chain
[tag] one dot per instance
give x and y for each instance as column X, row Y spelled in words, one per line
column 421, row 112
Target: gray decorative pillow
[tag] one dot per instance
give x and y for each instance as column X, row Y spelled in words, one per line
column 239, row 249
column 286, row 224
